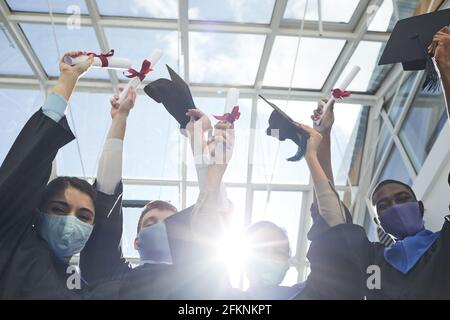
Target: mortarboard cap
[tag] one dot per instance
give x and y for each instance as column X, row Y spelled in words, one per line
column 287, row 129
column 174, row 94
column 409, row 43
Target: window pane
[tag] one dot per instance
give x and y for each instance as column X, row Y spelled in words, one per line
column 91, row 117
column 283, row 209
column 314, row 62
column 60, row 6
column 394, row 168
column 420, row 125
column 347, row 141
column 134, row 49
column 152, row 192
column 371, row 75
column 269, row 159
column 237, row 168
column 230, row 10
column 42, row 41
column 332, row 10
column 390, row 12
column 12, row 61
column 16, row 108
column 161, row 9
column 152, row 144
column 396, row 107
column 224, row 58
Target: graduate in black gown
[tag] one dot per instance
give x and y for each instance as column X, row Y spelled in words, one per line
column 162, row 273
column 42, row 226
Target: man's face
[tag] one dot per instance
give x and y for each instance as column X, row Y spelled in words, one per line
column 151, row 217
column 155, row 216
column 72, row 202
column 391, row 194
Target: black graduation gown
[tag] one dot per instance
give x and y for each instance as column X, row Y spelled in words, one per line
column 428, row 279
column 111, row 276
column 336, row 272
column 28, row 268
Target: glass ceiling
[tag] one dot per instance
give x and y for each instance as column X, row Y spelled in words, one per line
column 225, row 43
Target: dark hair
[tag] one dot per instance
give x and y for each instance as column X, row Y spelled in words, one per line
column 58, row 185
column 256, row 233
column 155, row 204
column 389, row 181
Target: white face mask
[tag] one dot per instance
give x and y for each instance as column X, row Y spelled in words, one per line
column 66, row 235
column 266, row 272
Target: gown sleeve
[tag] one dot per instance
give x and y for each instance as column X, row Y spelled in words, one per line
column 102, row 257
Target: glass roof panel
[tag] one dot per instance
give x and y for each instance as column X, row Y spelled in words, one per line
column 59, row 6
column 231, row 10
column 315, row 60
column 332, row 10
column 12, row 62
column 161, row 9
column 224, row 58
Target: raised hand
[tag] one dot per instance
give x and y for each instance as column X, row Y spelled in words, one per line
column 125, row 107
column 327, row 120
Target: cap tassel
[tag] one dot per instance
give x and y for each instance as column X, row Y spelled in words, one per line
column 431, row 83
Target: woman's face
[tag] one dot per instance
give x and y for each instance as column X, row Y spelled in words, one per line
column 72, row 202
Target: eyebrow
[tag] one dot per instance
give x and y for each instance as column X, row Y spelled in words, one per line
column 395, row 195
column 151, row 218
column 62, row 203
column 88, row 211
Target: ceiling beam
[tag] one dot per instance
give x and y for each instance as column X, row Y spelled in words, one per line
column 311, row 30
column 245, row 92
column 20, row 40
column 278, row 11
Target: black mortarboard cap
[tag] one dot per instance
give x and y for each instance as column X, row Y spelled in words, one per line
column 287, row 129
column 173, row 94
column 409, row 43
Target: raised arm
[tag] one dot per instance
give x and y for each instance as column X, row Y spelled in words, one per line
column 27, row 167
column 102, row 256
column 330, row 207
column 212, row 211
column 441, row 47
column 198, row 125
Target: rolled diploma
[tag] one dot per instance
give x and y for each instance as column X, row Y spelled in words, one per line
column 232, row 100
column 135, row 82
column 343, row 86
column 113, row 62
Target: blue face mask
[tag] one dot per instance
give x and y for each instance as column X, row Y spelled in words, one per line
column 266, row 272
column 66, row 235
column 153, row 244
column 402, row 220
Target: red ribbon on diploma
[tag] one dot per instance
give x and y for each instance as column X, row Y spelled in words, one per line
column 145, row 69
column 102, row 56
column 230, row 117
column 340, row 94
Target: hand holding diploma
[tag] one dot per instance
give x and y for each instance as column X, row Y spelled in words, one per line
column 138, row 76
column 340, row 92
column 103, row 60
column 220, row 149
